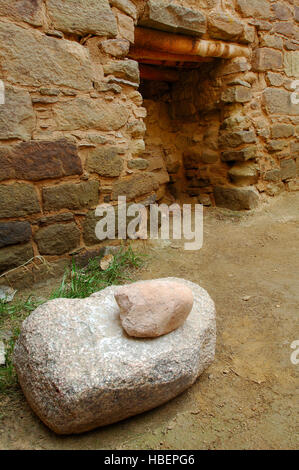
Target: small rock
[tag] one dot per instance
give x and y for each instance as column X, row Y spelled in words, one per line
column 106, row 262
column 153, row 308
column 246, row 298
column 7, row 293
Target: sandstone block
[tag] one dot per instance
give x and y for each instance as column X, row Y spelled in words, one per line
column 243, row 174
column 224, row 26
column 138, row 164
column 291, row 64
column 127, row 69
column 12, row 233
column 71, row 196
column 288, row 169
column 17, row 118
column 167, row 16
column 279, row 102
column 236, row 199
column 18, row 200
column 83, row 17
column 83, row 113
column 254, row 8
column 135, row 186
column 37, row 160
column 57, row 239
column 62, row 62
column 236, row 94
column 116, row 47
column 234, row 139
column 105, row 161
column 247, row 153
column 126, row 6
column 23, row 10
column 279, row 131
column 267, row 59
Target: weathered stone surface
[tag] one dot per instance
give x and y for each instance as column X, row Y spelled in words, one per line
column 279, row 102
column 281, row 11
column 83, row 17
column 267, row 59
column 255, row 8
column 291, row 64
column 232, row 67
column 14, row 256
column 60, row 63
column 37, row 160
column 247, row 153
column 127, row 69
column 275, row 79
column 149, row 309
column 279, row 131
column 51, row 219
column 12, row 233
column 271, row 40
column 243, row 174
column 285, row 27
column 84, row 113
column 138, row 164
column 276, row 145
column 273, row 175
column 23, row 10
column 236, row 199
column 135, row 186
column 237, row 94
column 71, row 196
column 105, row 161
column 224, row 26
column 116, row 47
column 234, row 139
column 167, row 16
column 98, row 375
column 57, row 239
column 126, row 6
column 17, row 200
column 209, row 156
column 288, row 169
column 17, row 119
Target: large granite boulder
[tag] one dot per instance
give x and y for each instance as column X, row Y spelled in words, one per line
column 79, row 370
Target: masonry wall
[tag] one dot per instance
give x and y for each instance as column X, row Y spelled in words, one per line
column 72, row 127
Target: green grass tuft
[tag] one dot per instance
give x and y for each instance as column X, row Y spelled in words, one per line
column 76, row 283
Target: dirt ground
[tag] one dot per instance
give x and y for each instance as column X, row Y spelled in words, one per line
column 249, row 264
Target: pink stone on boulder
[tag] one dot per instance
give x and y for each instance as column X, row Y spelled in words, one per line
column 149, row 309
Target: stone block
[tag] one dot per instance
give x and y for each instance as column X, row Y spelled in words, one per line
column 254, row 8
column 279, row 102
column 30, row 12
column 38, row 160
column 83, row 113
column 171, row 17
column 237, row 94
column 267, row 59
column 82, row 17
column 126, row 6
column 236, row 199
column 224, row 26
column 57, row 239
column 126, row 69
column 61, row 63
column 243, row 174
column 18, row 200
column 234, row 139
column 280, row 130
column 71, row 196
column 12, row 233
column 291, row 64
column 105, row 161
column 135, row 186
column 288, row 169
column 245, row 154
column 17, row 118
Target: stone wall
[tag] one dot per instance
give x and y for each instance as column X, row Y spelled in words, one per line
column 72, row 126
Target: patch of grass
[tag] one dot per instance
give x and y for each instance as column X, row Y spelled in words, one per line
column 82, row 282
column 76, row 283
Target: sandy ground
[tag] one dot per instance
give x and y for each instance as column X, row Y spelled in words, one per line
column 247, row 399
